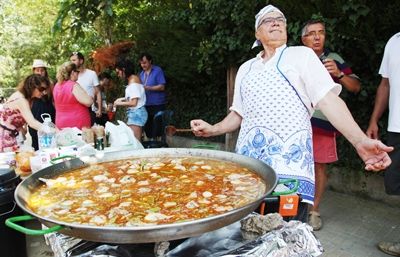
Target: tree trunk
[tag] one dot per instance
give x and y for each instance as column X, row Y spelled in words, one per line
column 230, row 138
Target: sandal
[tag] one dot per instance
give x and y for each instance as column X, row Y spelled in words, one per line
column 390, row 248
column 314, row 220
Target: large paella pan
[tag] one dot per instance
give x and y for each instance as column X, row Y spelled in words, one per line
column 146, row 232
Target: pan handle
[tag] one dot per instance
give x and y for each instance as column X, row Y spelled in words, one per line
column 54, row 160
column 33, row 232
column 206, row 146
column 293, row 181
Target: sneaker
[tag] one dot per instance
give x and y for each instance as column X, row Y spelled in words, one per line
column 314, row 220
column 390, row 248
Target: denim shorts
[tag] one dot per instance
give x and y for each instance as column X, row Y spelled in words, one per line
column 137, row 117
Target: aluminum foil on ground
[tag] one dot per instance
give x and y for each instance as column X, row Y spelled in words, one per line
column 294, row 239
column 284, row 239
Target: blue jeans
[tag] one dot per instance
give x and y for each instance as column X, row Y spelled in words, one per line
column 137, row 117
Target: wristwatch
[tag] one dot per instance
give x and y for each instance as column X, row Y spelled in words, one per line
column 341, row 75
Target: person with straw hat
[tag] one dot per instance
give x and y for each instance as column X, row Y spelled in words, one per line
column 44, row 104
column 274, row 97
column 39, row 67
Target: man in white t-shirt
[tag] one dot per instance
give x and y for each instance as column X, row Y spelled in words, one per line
column 89, row 81
column 388, row 92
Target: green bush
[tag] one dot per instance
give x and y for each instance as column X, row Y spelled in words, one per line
column 196, row 44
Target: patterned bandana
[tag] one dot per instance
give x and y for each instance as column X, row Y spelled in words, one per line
column 267, row 9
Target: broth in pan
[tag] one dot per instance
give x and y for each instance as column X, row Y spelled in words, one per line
column 146, row 191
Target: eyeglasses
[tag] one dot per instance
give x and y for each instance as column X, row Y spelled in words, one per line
column 315, row 33
column 75, row 53
column 271, row 20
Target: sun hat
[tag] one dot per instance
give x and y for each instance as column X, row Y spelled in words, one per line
column 38, row 63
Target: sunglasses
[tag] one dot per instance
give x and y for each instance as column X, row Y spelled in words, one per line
column 42, row 90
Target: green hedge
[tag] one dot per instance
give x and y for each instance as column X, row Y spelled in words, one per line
column 196, row 43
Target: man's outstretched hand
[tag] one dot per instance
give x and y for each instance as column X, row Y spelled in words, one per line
column 374, row 154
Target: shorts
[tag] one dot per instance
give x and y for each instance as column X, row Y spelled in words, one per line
column 324, row 146
column 392, row 173
column 137, row 117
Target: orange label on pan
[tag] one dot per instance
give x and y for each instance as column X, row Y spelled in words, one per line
column 288, row 205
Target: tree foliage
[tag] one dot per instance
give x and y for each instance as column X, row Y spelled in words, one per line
column 75, row 16
column 24, row 37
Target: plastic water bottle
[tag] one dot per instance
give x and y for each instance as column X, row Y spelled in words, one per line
column 47, row 133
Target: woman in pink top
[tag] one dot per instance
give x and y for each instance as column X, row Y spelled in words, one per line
column 70, row 100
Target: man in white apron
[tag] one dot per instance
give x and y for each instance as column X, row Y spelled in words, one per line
column 275, row 95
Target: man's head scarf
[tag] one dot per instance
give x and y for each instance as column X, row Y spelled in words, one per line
column 267, row 9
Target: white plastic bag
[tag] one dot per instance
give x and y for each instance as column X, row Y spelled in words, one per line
column 122, row 135
column 69, row 136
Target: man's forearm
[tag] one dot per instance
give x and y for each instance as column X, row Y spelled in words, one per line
column 351, row 84
column 229, row 124
column 159, row 87
column 381, row 100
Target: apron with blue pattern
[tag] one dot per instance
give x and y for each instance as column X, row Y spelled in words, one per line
column 276, row 127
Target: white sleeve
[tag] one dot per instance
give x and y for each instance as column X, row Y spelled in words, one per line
column 318, row 82
column 95, row 80
column 237, row 97
column 132, row 91
column 383, row 70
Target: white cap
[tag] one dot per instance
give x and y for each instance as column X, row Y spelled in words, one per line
column 267, row 9
column 37, row 63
